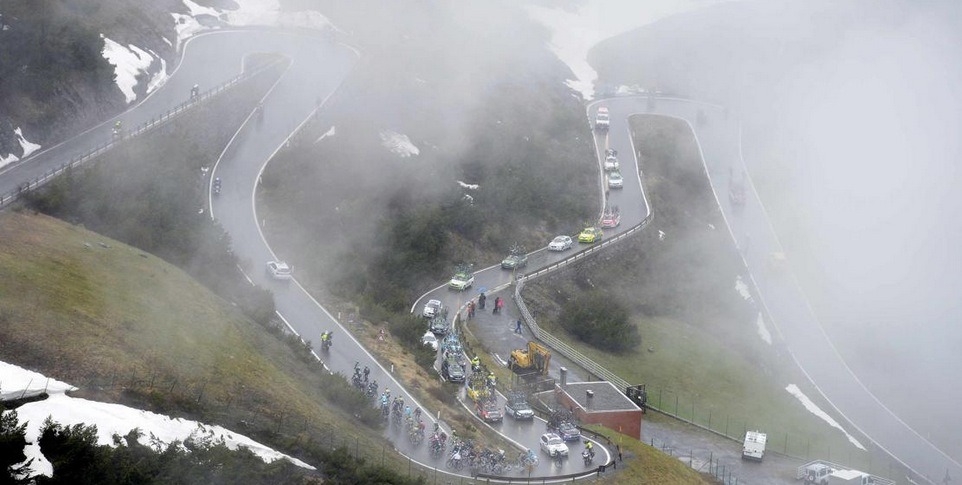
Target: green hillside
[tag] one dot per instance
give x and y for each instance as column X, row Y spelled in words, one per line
column 125, row 326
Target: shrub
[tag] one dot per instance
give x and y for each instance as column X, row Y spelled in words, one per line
column 601, row 321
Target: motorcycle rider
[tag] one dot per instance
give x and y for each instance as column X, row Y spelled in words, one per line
column 589, row 447
column 476, row 363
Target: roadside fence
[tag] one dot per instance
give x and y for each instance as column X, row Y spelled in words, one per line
column 155, row 122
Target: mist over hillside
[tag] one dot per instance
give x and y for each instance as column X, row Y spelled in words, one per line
column 850, row 113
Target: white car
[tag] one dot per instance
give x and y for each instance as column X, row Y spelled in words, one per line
column 432, row 309
column 611, row 163
column 601, row 119
column 429, row 340
column 279, row 270
column 461, row 281
column 553, row 445
column 615, row 180
column 560, row 243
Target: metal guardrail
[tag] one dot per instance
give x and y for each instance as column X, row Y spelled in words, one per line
column 29, row 185
column 555, row 343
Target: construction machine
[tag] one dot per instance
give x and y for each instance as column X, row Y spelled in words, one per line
column 535, row 358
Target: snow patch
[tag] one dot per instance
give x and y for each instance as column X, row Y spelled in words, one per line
column 248, row 13
column 763, row 329
column 814, row 409
column 27, row 146
column 399, row 144
column 159, row 77
column 742, row 288
column 196, row 9
column 326, row 134
column 575, row 32
column 128, row 63
column 10, row 158
column 110, row 419
column 468, row 186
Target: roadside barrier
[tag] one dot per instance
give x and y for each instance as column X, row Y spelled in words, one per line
column 156, row 122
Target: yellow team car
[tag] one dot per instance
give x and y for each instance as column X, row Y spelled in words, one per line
column 590, row 235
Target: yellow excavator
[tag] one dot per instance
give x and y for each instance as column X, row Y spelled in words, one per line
column 535, row 358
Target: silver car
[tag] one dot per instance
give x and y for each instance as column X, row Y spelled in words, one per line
column 432, row 309
column 560, row 243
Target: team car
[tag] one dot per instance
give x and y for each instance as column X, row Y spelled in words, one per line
column 615, row 180
column 611, row 218
column 461, row 281
column 611, row 163
column 430, row 340
column 439, row 325
column 560, row 243
column 451, row 370
column 280, row 270
column 553, row 445
column 432, row 309
column 515, row 261
column 568, row 432
column 489, row 412
column 601, row 119
column 518, row 408
column 590, row 235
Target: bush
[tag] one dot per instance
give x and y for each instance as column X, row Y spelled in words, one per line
column 408, row 330
column 600, row 321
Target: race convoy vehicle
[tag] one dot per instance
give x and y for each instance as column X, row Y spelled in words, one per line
column 279, row 270
column 601, row 119
column 430, row 340
column 560, row 243
column 451, row 370
column 488, row 411
column 517, row 407
column 615, row 180
column 611, row 218
column 568, row 432
column 590, row 235
column 611, row 160
column 439, row 325
column 515, row 261
column 432, row 309
column 461, row 281
column 553, row 445
column 754, row 445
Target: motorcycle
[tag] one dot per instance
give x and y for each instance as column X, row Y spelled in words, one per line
column 588, row 457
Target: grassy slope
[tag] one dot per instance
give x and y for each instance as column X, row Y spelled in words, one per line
column 699, row 344
column 92, row 315
column 644, row 464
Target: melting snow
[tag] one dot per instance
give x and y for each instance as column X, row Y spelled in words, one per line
column 814, row 409
column 574, row 33
column 763, row 330
column 468, row 186
column 742, row 288
column 27, row 147
column 128, row 63
column 110, row 419
column 326, row 134
column 399, row 144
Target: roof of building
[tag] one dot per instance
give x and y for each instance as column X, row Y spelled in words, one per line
column 606, row 397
